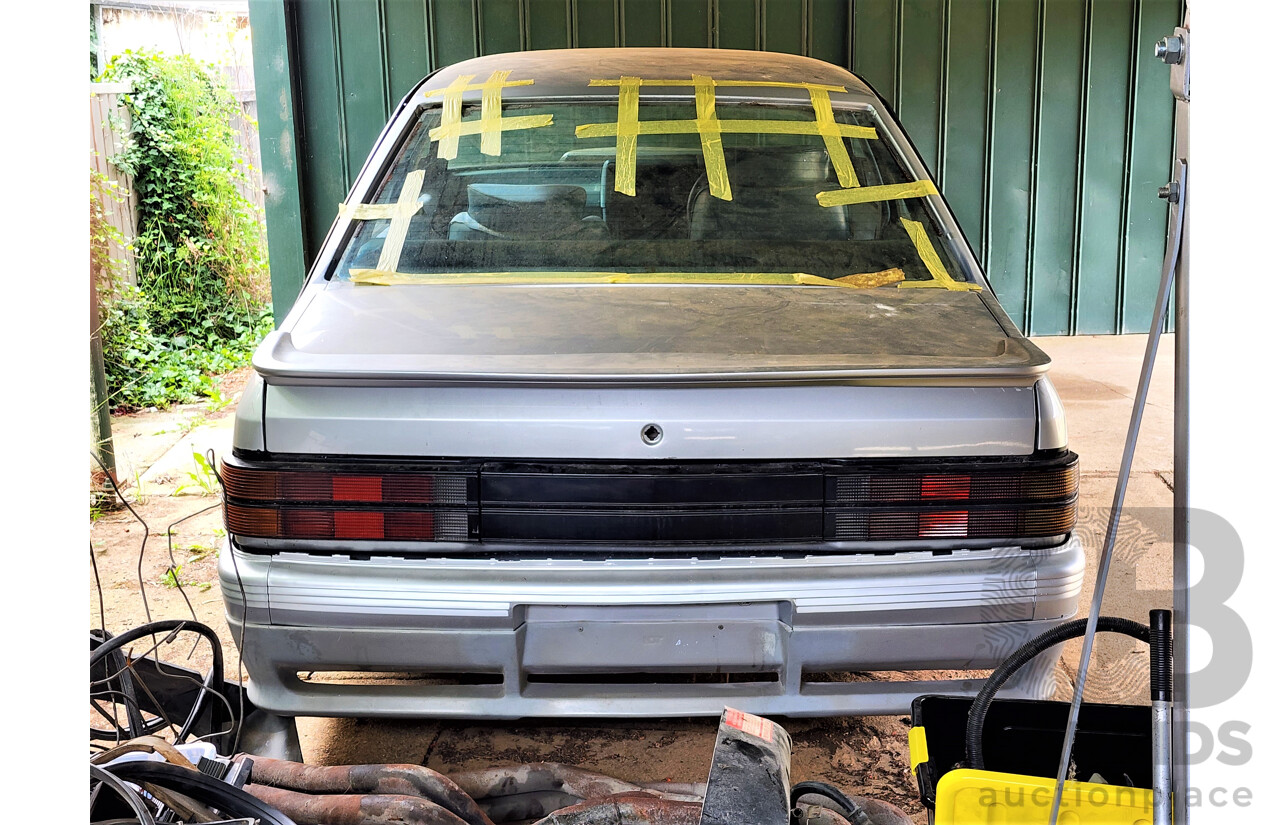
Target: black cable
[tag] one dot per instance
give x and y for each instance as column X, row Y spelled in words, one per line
column 850, row 810
column 102, row 611
column 244, row 598
column 173, row 563
column 146, row 531
column 1053, row 636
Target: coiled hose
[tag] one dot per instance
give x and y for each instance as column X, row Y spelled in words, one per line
column 1057, row 635
column 851, row 810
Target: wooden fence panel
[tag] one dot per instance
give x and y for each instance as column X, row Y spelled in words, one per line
column 246, row 126
column 119, row 204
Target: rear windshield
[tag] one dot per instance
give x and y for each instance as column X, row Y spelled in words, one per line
column 677, row 189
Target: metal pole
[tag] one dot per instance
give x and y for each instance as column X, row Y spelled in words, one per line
column 1173, row 51
column 1180, row 86
column 1122, row 484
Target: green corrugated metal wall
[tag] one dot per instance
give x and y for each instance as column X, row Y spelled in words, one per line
column 1048, row 123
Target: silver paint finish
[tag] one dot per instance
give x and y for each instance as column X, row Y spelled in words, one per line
column 639, row 332
column 515, row 618
column 800, row 422
column 248, row 433
column 1051, row 428
column 770, row 615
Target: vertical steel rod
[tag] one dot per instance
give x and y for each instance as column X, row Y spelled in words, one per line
column 1122, row 484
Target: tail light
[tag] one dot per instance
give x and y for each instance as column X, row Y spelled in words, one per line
column 311, row 504
column 1030, row 500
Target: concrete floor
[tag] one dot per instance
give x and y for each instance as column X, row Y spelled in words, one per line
column 1096, row 378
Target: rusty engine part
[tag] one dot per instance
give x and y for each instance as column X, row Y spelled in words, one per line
column 748, row 784
column 379, row 780
column 545, row 792
column 354, row 809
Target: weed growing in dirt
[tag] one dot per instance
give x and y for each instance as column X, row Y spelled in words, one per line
column 139, row 489
column 196, row 552
column 202, row 478
column 171, row 579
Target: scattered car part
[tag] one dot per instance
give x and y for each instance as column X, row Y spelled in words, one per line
column 354, row 809
column 156, row 694
column 381, row 780
column 550, row 777
column 105, row 779
column 231, row 802
column 748, row 784
column 750, row 776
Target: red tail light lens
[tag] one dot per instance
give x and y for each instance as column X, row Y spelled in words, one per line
column 291, row 504
column 1000, row 501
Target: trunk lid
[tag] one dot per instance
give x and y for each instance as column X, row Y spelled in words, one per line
column 640, row 333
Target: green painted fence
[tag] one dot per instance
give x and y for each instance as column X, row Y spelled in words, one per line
column 1048, row 123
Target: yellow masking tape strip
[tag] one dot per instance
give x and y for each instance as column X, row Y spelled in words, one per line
column 627, row 128
column 710, row 128
column 871, row 280
column 491, row 124
column 726, row 127
column 381, row 277
column 825, row 118
column 446, row 134
column 772, row 84
column 932, row 262
column 704, row 91
column 874, row 194
column 919, row 748
column 491, row 114
column 406, row 205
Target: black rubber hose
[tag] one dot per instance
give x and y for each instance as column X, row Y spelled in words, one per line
column 230, row 801
column 1161, row 656
column 851, row 810
column 1053, row 636
column 126, row 793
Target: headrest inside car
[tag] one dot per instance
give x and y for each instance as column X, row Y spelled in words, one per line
column 521, row 210
column 777, row 167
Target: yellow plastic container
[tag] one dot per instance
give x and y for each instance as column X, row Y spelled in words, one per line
column 1028, row 735
column 969, row 797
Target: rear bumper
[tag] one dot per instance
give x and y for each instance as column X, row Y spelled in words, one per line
column 558, row 637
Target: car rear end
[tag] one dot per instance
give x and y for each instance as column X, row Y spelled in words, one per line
column 623, row 482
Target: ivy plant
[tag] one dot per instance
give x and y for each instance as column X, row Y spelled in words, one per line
column 202, row 302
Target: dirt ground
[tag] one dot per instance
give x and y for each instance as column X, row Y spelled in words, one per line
column 865, row 756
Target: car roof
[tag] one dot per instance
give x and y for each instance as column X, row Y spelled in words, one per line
column 567, row 72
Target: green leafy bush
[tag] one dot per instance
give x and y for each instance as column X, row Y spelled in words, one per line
column 148, row 369
column 202, row 302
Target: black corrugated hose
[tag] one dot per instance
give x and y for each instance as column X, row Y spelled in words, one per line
column 852, row 810
column 1024, row 654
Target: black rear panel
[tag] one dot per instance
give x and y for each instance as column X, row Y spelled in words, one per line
column 676, row 503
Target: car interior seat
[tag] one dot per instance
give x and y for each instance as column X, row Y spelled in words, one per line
column 525, row 212
column 774, row 197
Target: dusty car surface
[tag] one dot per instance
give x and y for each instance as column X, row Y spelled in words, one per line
column 639, row 383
